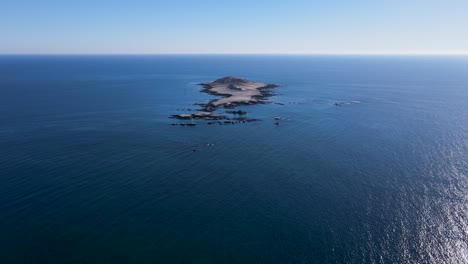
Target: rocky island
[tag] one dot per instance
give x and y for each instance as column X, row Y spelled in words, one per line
column 235, row 91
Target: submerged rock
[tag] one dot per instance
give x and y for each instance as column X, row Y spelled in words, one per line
column 238, row 112
column 347, row 103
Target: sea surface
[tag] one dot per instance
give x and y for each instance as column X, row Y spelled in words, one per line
column 91, row 170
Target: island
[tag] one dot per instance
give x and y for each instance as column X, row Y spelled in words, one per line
column 235, row 91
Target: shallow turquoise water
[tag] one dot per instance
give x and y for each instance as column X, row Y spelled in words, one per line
column 93, row 172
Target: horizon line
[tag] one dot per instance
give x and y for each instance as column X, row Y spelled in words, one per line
column 284, row 54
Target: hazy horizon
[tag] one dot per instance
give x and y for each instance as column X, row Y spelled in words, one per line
column 240, row 54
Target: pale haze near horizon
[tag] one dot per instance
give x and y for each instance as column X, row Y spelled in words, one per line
column 240, row 27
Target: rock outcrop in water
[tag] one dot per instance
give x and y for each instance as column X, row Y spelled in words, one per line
column 347, row 103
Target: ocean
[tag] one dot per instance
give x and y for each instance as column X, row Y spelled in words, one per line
column 91, row 170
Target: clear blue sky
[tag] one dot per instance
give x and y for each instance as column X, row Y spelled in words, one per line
column 241, row 26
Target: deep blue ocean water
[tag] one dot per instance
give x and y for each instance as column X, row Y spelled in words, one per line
column 91, row 171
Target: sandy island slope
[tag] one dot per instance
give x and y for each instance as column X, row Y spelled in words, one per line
column 236, row 91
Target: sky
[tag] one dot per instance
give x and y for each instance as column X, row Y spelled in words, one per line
column 234, row 27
